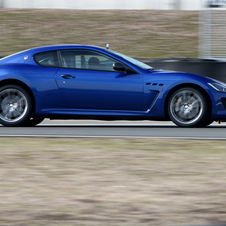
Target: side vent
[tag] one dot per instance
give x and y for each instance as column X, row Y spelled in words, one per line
column 154, row 84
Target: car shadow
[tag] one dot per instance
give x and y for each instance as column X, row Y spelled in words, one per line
column 130, row 126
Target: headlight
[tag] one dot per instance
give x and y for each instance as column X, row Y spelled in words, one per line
column 218, row 87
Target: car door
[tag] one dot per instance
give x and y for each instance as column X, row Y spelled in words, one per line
column 87, row 80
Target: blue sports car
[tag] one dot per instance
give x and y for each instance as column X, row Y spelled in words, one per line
column 88, row 82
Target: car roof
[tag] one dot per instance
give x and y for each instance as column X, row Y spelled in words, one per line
column 66, row 46
column 28, row 53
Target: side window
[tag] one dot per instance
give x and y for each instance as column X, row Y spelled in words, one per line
column 68, row 58
column 47, row 59
column 86, row 59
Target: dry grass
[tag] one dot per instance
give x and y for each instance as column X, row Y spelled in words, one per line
column 112, row 182
column 141, row 33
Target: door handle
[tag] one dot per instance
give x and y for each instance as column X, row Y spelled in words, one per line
column 67, row 76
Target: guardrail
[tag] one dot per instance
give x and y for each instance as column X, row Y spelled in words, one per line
column 213, row 68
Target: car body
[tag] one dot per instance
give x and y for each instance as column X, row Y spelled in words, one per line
column 89, row 82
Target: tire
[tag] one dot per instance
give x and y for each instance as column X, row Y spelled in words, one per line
column 207, row 123
column 188, row 107
column 15, row 106
column 34, row 121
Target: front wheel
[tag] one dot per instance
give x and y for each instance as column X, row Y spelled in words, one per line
column 15, row 106
column 188, row 107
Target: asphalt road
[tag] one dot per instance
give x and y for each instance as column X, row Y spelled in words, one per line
column 74, row 128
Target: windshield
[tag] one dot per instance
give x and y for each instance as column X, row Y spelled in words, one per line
column 132, row 60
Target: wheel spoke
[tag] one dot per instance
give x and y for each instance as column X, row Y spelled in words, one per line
column 191, row 100
column 184, row 94
column 196, row 103
column 181, row 114
column 16, row 113
column 192, row 114
column 8, row 115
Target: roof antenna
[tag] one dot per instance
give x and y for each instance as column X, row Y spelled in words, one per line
column 107, row 46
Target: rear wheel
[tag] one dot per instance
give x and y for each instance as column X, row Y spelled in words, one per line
column 15, row 106
column 188, row 107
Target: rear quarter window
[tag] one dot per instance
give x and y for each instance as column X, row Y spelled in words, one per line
column 47, row 59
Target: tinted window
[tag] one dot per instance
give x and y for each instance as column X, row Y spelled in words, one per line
column 86, row 59
column 47, row 59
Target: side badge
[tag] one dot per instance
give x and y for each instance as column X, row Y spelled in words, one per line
column 26, row 57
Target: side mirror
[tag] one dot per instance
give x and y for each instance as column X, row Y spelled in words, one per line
column 119, row 67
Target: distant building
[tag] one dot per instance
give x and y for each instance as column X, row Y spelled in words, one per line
column 105, row 4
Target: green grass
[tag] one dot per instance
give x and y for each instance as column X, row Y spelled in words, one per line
column 101, row 181
column 141, row 33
